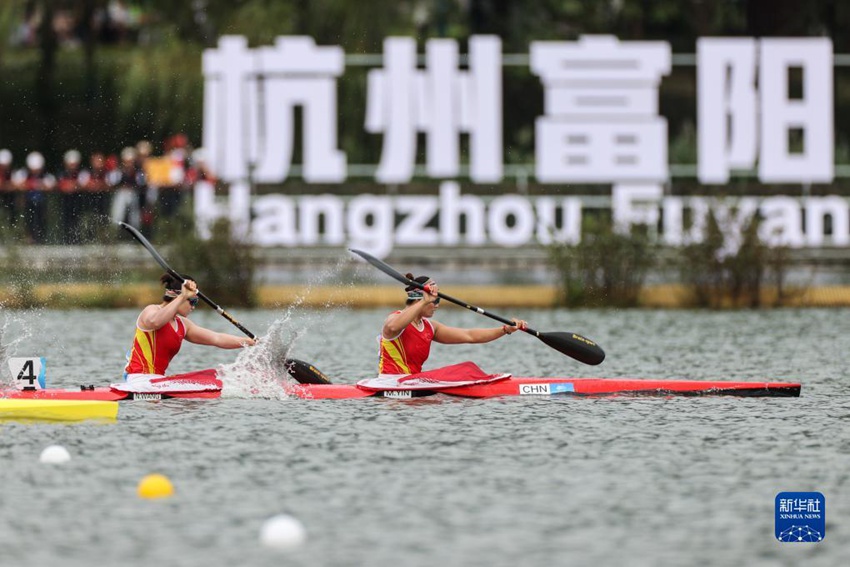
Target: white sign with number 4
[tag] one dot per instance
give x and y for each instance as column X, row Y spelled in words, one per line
column 28, row 373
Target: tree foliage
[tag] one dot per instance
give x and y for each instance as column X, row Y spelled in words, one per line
column 606, row 268
column 225, row 266
column 717, row 278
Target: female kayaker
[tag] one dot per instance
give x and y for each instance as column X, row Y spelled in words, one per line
column 161, row 329
column 407, row 334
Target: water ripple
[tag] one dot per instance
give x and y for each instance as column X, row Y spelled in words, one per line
column 514, row 481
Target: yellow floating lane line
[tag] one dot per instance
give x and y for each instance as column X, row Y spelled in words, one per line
column 57, row 410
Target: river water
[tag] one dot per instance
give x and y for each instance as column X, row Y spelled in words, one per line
column 441, row 481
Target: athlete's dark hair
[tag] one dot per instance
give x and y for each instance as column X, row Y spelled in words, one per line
column 419, row 279
column 172, row 283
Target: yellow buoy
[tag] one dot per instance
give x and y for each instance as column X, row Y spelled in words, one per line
column 155, row 486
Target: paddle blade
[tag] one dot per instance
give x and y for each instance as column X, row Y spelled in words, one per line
column 578, row 347
column 305, row 373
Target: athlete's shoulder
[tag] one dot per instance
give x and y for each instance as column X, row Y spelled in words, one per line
column 391, row 316
column 387, row 321
column 142, row 322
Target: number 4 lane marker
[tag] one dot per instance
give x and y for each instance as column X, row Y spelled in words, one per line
column 28, row 373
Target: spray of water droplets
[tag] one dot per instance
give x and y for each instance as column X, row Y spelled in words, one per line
column 261, row 371
column 11, row 327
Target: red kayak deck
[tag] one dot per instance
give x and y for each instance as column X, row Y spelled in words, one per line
column 200, row 384
column 508, row 387
column 527, row 386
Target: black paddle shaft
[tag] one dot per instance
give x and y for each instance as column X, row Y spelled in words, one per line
column 161, row 261
column 571, row 344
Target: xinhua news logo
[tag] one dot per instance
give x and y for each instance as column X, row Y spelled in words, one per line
column 800, row 517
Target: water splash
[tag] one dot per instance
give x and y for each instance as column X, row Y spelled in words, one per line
column 261, row 371
column 10, row 322
column 4, row 357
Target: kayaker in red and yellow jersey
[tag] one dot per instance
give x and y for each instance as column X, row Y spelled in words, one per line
column 161, row 329
column 407, row 334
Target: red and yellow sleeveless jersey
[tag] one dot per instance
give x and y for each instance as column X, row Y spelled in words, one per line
column 153, row 350
column 406, row 353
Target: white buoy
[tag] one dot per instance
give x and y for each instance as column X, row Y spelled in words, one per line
column 55, row 454
column 283, row 532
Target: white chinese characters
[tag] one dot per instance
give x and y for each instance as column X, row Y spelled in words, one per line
column 738, row 122
column 441, row 101
column 762, row 104
column 601, row 120
column 249, row 104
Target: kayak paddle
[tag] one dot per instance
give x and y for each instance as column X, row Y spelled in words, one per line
column 303, row 372
column 571, row 344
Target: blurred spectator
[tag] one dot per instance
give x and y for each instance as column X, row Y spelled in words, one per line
column 141, row 187
column 111, row 162
column 199, row 169
column 115, row 21
column 171, row 195
column 94, row 196
column 65, row 27
column 70, row 183
column 27, row 32
column 148, row 203
column 144, row 149
column 129, row 197
column 36, row 183
column 118, row 19
column 95, row 186
column 178, row 140
column 8, row 195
